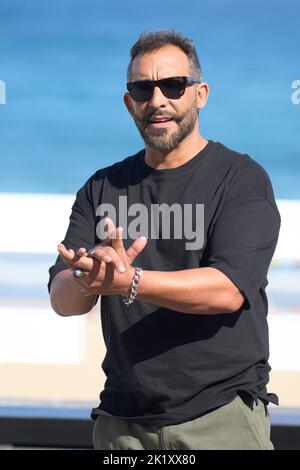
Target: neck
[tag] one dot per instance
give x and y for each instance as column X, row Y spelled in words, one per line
column 186, row 150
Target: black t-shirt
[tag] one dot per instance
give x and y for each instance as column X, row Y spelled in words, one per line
column 162, row 366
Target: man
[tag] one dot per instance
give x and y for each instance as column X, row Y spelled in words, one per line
column 184, row 322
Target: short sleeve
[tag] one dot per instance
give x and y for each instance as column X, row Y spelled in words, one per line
column 81, row 229
column 244, row 236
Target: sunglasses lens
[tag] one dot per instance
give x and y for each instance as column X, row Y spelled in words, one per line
column 172, row 88
column 141, row 91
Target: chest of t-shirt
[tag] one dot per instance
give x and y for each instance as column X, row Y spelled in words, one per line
column 174, row 215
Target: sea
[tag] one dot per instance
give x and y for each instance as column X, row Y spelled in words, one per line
column 64, row 65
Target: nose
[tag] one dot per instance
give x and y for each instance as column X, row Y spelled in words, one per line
column 158, row 99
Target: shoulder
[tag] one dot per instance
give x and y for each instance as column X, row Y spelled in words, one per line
column 247, row 181
column 238, row 161
column 243, row 169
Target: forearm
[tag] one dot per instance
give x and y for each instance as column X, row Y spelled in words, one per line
column 66, row 297
column 194, row 291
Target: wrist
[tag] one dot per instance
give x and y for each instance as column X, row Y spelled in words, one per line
column 130, row 297
column 125, row 289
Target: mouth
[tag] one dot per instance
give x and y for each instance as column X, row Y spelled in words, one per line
column 160, row 121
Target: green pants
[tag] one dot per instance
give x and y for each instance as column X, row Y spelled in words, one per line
column 239, row 425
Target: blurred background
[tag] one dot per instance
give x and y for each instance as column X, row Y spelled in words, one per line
column 63, row 64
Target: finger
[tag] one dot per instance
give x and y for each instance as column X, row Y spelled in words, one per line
column 66, row 255
column 110, row 230
column 80, row 252
column 85, row 264
column 72, row 260
column 69, row 255
column 108, row 255
column 101, row 274
column 96, row 273
column 94, row 279
column 117, row 243
column 136, row 247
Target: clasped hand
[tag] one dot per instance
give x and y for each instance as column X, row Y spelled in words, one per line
column 107, row 268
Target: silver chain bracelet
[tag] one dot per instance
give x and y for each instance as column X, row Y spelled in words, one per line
column 130, row 298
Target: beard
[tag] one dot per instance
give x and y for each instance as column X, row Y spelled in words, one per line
column 158, row 139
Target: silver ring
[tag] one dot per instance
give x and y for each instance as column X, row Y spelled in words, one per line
column 91, row 252
column 77, row 272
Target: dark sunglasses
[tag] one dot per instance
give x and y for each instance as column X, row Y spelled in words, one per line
column 172, row 87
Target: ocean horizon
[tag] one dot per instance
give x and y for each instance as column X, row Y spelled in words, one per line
column 64, row 65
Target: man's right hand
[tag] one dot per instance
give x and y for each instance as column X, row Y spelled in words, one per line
column 108, row 254
column 66, row 294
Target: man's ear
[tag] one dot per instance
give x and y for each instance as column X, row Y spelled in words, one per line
column 202, row 94
column 127, row 102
